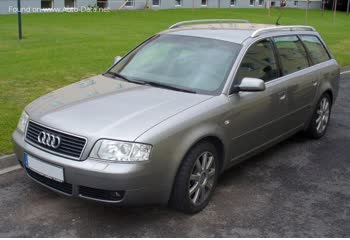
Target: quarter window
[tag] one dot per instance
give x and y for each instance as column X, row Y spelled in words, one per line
column 292, row 54
column 315, row 49
column 259, row 62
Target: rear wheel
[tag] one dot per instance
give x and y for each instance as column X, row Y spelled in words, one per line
column 196, row 179
column 320, row 119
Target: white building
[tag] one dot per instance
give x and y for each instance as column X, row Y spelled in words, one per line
column 9, row 6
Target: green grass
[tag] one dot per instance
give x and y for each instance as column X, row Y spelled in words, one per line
column 61, row 48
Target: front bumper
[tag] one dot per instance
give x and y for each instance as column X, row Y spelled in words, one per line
column 137, row 183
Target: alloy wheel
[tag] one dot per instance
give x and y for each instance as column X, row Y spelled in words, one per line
column 323, row 113
column 202, row 178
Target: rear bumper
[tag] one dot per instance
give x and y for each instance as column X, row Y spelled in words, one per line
column 135, row 183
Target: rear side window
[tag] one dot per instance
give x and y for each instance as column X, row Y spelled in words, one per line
column 315, row 48
column 292, row 54
column 259, row 62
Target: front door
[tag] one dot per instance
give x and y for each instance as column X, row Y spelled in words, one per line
column 257, row 118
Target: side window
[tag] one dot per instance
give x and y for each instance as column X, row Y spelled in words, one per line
column 292, row 54
column 315, row 48
column 258, row 62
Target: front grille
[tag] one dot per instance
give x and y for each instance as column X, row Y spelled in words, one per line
column 70, row 146
column 62, row 187
column 101, row 194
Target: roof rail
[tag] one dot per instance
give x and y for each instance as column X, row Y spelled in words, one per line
column 282, row 28
column 209, row 21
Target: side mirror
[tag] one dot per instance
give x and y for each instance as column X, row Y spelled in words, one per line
column 117, row 59
column 250, row 85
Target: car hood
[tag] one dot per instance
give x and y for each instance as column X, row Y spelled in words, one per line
column 108, row 108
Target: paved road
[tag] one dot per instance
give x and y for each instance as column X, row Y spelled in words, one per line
column 300, row 188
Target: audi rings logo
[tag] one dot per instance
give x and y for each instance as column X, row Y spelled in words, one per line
column 49, row 139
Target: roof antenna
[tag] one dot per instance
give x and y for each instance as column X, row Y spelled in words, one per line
column 277, row 22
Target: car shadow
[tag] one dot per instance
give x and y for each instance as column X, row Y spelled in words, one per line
column 241, row 168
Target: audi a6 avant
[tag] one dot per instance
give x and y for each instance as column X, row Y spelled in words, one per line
column 170, row 116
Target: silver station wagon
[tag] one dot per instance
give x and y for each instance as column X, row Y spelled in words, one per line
column 169, row 117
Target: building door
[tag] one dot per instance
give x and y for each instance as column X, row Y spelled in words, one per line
column 102, row 3
column 46, row 4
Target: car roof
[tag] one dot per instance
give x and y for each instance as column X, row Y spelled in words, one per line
column 232, row 32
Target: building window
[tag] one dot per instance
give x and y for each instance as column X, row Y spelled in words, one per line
column 69, row 3
column 204, row 3
column 251, row 2
column 102, row 3
column 261, row 2
column 178, row 3
column 232, row 2
column 130, row 3
column 46, row 3
column 156, row 3
column 295, row 3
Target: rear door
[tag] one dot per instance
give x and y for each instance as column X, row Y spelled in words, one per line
column 301, row 81
column 321, row 66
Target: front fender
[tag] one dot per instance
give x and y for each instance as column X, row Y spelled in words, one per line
column 173, row 138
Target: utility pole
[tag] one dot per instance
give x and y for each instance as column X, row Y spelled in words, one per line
column 335, row 10
column 323, row 5
column 19, row 14
column 306, row 11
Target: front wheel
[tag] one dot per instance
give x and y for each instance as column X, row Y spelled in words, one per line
column 320, row 119
column 196, row 179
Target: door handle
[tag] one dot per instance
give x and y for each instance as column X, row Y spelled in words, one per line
column 282, row 96
column 314, row 83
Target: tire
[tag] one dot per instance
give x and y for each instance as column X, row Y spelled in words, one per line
column 192, row 178
column 320, row 118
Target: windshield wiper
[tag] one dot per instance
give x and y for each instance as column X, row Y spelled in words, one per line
column 118, row 75
column 163, row 85
column 154, row 84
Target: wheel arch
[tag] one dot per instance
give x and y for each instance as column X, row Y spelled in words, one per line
column 219, row 145
column 326, row 90
column 211, row 136
column 325, row 87
column 330, row 93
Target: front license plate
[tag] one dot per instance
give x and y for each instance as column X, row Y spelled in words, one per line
column 46, row 169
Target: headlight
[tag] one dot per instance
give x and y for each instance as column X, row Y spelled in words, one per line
column 22, row 123
column 121, row 151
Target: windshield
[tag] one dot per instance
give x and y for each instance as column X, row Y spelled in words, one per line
column 198, row 64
